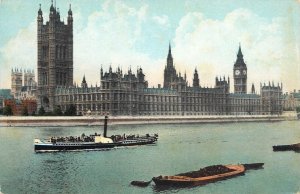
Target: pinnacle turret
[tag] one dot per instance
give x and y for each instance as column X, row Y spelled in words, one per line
column 52, row 9
column 40, row 11
column 252, row 89
column 196, row 79
column 70, row 11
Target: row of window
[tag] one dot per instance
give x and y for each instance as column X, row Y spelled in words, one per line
column 109, row 107
column 135, row 97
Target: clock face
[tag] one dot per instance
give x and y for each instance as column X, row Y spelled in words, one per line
column 237, row 72
column 244, row 72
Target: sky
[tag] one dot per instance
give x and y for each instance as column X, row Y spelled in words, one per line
column 204, row 35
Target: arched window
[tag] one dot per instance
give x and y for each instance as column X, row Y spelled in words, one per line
column 64, row 52
column 56, row 52
column 60, row 52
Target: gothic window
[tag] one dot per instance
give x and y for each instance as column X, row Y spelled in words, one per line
column 56, row 52
column 65, row 78
column 46, row 78
column 60, row 52
column 64, row 52
column 62, row 79
column 43, row 52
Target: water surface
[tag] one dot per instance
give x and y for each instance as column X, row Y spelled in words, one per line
column 180, row 148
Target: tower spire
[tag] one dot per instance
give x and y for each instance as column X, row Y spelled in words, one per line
column 240, row 58
column 240, row 54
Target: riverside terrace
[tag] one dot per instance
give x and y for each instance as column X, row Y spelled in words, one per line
column 116, row 120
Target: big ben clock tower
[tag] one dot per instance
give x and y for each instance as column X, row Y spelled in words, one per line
column 240, row 74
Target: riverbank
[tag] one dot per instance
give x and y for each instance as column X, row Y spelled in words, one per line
column 116, row 120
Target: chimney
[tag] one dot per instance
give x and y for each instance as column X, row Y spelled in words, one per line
column 105, row 126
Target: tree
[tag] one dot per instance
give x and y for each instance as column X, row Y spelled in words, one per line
column 1, row 111
column 57, row 111
column 71, row 110
column 41, row 111
column 298, row 109
column 25, row 111
column 7, row 111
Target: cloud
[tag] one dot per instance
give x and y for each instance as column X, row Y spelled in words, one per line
column 110, row 38
column 19, row 52
column 211, row 46
column 115, row 32
column 162, row 20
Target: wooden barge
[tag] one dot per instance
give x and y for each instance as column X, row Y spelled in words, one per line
column 205, row 175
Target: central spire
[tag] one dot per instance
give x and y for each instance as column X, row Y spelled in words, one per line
column 170, row 58
column 170, row 51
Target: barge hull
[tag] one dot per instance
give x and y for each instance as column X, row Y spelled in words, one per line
column 292, row 147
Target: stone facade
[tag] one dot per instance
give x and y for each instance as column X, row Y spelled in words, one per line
column 16, row 82
column 291, row 101
column 23, row 84
column 272, row 98
column 129, row 94
column 55, row 56
column 245, row 104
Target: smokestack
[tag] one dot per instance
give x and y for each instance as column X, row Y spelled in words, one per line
column 105, row 126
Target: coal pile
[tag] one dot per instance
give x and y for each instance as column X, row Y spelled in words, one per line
column 207, row 171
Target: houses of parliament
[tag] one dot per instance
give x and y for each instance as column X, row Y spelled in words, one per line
column 127, row 93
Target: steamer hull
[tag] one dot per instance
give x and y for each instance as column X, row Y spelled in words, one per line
column 71, row 146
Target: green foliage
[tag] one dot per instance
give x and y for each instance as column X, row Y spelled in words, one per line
column 24, row 111
column 1, row 111
column 33, row 113
column 298, row 109
column 7, row 111
column 41, row 111
column 57, row 111
column 71, row 110
column 49, row 114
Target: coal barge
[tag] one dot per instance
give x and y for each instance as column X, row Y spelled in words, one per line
column 205, row 175
column 92, row 142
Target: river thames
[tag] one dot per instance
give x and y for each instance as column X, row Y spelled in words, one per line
column 180, row 148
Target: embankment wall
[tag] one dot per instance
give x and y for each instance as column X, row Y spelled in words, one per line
column 99, row 120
